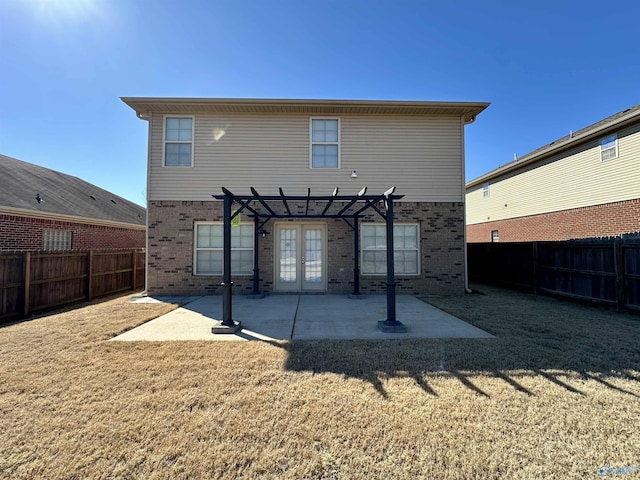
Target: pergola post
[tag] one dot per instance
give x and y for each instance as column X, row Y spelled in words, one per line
column 390, row 325
column 356, row 255
column 256, row 259
column 227, row 325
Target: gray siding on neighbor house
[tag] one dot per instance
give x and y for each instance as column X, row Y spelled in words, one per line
column 571, row 179
column 421, row 155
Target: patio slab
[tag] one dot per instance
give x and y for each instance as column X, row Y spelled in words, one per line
column 303, row 317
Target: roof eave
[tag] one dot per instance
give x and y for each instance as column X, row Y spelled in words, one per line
column 147, row 105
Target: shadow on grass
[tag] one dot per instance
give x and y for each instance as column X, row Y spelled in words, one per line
column 557, row 340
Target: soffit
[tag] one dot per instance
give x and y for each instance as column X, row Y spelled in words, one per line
column 145, row 105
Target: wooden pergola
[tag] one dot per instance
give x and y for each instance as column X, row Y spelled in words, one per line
column 350, row 209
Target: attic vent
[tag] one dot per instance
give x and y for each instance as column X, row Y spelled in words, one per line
column 113, row 201
column 92, row 197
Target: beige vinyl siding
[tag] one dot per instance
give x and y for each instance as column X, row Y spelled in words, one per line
column 421, row 156
column 575, row 178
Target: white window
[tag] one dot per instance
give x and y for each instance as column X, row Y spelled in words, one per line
column 485, row 190
column 406, row 255
column 495, row 236
column 56, row 240
column 178, row 141
column 609, row 147
column 325, row 143
column 209, row 244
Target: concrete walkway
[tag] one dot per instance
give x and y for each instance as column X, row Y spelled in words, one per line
column 300, row 317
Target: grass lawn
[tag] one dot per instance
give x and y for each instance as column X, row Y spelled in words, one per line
column 555, row 395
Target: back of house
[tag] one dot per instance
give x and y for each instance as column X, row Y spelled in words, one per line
column 301, row 148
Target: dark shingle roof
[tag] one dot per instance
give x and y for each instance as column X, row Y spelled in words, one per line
column 22, row 182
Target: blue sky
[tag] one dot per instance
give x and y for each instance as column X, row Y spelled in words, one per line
column 547, row 67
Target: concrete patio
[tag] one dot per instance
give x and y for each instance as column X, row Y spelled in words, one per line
column 300, row 317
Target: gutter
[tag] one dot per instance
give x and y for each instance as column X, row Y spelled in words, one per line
column 23, row 212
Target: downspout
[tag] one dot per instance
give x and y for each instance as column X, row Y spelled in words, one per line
column 464, row 203
column 147, row 118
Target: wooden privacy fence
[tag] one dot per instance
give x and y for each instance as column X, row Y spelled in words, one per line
column 605, row 271
column 32, row 281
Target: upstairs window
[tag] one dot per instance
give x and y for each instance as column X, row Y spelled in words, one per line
column 178, row 141
column 609, row 147
column 485, row 190
column 325, row 143
column 56, row 240
column 495, row 236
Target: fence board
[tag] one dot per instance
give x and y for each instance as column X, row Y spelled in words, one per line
column 605, row 271
column 32, row 281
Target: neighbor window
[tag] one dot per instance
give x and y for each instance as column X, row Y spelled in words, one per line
column 485, row 190
column 209, row 245
column 325, row 143
column 495, row 236
column 178, row 141
column 406, row 243
column 609, row 147
column 56, row 240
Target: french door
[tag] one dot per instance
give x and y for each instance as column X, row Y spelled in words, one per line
column 300, row 263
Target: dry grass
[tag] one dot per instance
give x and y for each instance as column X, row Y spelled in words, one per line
column 555, row 395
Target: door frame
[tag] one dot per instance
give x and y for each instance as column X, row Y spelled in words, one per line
column 300, row 225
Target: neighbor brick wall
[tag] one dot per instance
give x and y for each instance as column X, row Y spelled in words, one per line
column 604, row 220
column 171, row 242
column 18, row 233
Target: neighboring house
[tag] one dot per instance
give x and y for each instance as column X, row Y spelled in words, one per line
column 289, row 157
column 41, row 209
column 584, row 185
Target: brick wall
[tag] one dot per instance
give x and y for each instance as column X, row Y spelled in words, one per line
column 19, row 233
column 171, row 243
column 604, row 220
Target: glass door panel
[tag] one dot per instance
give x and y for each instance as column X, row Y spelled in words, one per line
column 312, row 261
column 300, row 257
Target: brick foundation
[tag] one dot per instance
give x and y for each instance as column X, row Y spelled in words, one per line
column 604, row 220
column 18, row 233
column 171, row 243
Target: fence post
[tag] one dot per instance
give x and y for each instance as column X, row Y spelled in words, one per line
column 134, row 270
column 26, row 281
column 90, row 276
column 618, row 265
column 535, row 267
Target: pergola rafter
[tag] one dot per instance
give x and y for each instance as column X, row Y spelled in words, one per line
column 352, row 208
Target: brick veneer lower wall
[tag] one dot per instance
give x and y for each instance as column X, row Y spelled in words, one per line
column 171, row 242
column 18, row 233
column 609, row 219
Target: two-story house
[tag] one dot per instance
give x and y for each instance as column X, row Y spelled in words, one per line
column 583, row 185
column 298, row 170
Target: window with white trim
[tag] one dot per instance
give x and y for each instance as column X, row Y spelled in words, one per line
column 406, row 243
column 609, row 147
column 208, row 249
column 485, row 190
column 56, row 240
column 325, row 143
column 178, row 141
column 495, row 236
